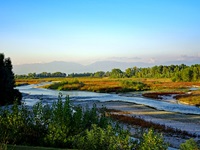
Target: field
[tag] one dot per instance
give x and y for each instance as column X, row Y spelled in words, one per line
column 155, row 87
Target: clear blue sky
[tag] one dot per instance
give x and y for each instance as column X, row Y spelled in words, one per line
column 90, row 30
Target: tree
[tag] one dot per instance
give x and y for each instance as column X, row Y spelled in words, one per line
column 187, row 74
column 7, row 83
column 129, row 72
column 99, row 74
column 116, row 73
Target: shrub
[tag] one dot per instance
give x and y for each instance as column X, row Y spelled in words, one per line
column 189, row 145
column 152, row 141
column 104, row 139
column 45, row 125
column 133, row 86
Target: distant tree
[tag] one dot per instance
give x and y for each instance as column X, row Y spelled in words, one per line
column 80, row 74
column 116, row 73
column 99, row 74
column 7, row 83
column 187, row 74
column 129, row 72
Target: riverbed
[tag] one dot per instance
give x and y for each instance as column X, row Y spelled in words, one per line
column 33, row 94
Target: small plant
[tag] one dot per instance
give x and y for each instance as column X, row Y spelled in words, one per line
column 152, row 141
column 189, row 145
column 3, row 141
column 105, row 139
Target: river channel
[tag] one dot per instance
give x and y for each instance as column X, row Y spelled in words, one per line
column 32, row 94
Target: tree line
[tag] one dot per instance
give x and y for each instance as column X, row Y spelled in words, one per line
column 175, row 72
column 41, row 75
column 7, row 83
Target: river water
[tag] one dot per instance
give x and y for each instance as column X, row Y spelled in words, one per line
column 32, row 94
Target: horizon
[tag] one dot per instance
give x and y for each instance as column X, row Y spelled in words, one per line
column 88, row 31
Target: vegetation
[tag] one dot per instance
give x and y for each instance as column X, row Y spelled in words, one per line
column 7, row 82
column 129, row 85
column 175, row 72
column 189, row 145
column 99, row 85
column 80, row 75
column 64, row 126
column 66, row 85
column 191, row 98
column 152, row 141
column 156, row 87
column 41, row 75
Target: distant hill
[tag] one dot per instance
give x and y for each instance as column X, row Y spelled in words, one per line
column 71, row 67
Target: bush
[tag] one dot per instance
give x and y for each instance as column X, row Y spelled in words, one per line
column 63, row 126
column 103, row 139
column 66, row 85
column 44, row 125
column 129, row 85
column 152, row 141
column 189, row 145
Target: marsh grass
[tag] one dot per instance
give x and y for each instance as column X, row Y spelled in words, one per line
column 191, row 98
column 162, row 86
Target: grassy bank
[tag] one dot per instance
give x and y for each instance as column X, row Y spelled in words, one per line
column 190, row 98
column 103, row 85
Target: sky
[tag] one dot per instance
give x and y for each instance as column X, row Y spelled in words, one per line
column 85, row 31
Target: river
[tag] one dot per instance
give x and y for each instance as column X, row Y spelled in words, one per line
column 32, row 94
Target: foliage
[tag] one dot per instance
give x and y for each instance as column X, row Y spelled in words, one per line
column 59, row 125
column 63, row 126
column 152, row 141
column 129, row 85
column 99, row 74
column 189, row 145
column 101, row 139
column 66, row 85
column 116, row 73
column 41, row 75
column 7, row 83
column 80, row 75
column 175, row 72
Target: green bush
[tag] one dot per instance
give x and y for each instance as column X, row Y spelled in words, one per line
column 152, row 141
column 189, row 145
column 129, row 85
column 104, row 139
column 62, row 125
column 66, row 85
column 45, row 125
